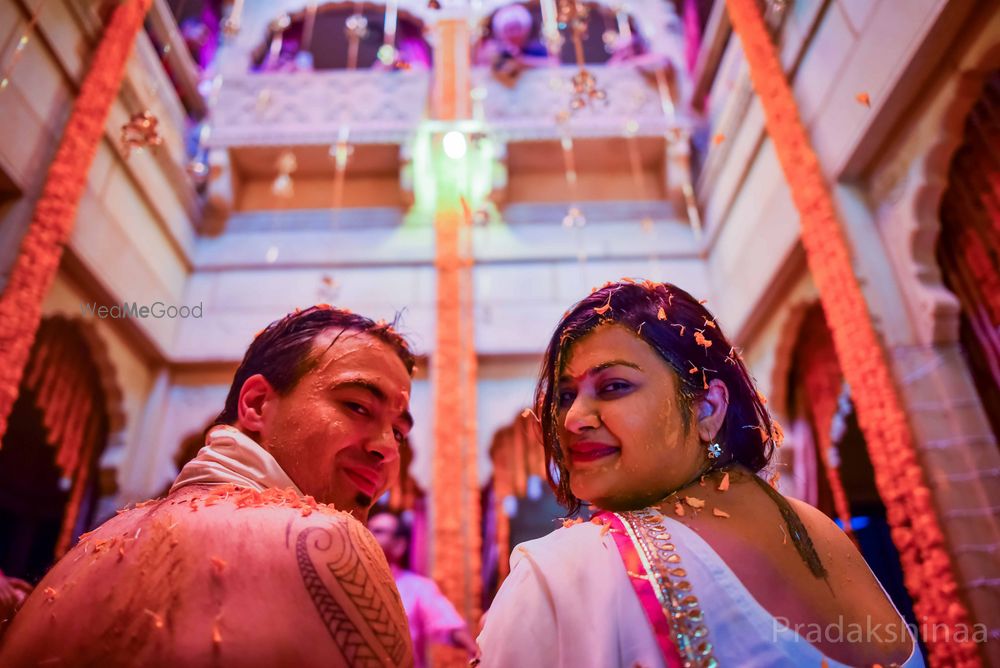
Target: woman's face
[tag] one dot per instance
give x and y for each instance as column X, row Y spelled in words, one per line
column 621, row 425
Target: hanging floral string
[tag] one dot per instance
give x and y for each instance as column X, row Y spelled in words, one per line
column 573, row 14
column 456, row 512
column 456, row 502
column 37, row 262
column 928, row 570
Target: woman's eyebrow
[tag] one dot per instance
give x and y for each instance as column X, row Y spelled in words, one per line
column 594, row 370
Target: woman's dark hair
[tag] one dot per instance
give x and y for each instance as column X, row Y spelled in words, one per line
column 681, row 331
column 282, row 351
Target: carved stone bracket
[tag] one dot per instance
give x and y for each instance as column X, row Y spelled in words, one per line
column 911, row 228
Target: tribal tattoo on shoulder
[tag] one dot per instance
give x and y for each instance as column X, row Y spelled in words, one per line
column 354, row 594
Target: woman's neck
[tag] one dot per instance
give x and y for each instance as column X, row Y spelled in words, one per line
column 707, row 483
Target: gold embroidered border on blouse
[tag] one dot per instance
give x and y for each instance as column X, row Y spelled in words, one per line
column 664, row 571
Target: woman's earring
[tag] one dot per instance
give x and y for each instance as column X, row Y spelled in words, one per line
column 714, row 451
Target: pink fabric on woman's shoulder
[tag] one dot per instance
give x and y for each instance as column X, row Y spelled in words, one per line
column 643, row 590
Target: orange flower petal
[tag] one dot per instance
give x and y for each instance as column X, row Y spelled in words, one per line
column 724, row 485
column 719, row 513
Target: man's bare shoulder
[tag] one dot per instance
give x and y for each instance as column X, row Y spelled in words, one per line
column 245, row 577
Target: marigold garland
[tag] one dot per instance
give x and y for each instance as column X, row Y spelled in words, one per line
column 928, row 571
column 457, row 542
column 36, row 265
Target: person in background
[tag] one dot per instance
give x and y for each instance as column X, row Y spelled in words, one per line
column 432, row 617
column 13, row 591
column 511, row 49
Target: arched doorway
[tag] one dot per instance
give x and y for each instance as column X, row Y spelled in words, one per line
column 48, row 459
column 968, row 248
column 841, row 474
column 320, row 40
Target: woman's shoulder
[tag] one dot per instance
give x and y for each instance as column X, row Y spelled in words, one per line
column 578, row 544
column 571, row 536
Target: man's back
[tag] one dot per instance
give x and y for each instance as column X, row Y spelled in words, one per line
column 217, row 576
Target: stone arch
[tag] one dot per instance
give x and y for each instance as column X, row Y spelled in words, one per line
column 791, row 318
column 107, row 375
column 934, row 309
column 257, row 16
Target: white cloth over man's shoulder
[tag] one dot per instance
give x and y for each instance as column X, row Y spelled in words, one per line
column 230, row 456
column 569, row 603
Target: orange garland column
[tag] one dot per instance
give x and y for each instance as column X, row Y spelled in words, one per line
column 928, row 570
column 35, row 268
column 456, row 501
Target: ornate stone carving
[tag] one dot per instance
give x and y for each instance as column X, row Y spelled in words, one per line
column 528, row 110
column 302, row 108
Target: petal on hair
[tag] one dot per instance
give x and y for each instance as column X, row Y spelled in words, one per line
column 661, row 314
column 777, row 433
column 601, row 310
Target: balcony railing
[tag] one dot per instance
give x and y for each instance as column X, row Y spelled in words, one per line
column 304, row 108
column 530, row 109
column 307, row 108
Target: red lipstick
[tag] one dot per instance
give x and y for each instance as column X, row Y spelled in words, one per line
column 589, row 451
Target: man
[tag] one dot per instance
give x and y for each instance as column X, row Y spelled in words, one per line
column 257, row 556
column 431, row 616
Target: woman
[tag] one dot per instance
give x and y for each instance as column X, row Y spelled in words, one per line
column 649, row 415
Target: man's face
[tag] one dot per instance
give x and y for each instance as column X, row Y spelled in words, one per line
column 337, row 432
column 385, row 528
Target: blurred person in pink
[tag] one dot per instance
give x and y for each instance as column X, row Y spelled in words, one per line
column 432, row 617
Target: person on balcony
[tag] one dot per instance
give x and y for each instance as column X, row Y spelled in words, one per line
column 649, row 415
column 511, row 49
column 259, row 555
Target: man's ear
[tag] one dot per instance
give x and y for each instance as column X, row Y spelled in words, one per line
column 255, row 395
column 711, row 410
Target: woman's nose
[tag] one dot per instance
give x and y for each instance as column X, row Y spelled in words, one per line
column 582, row 415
